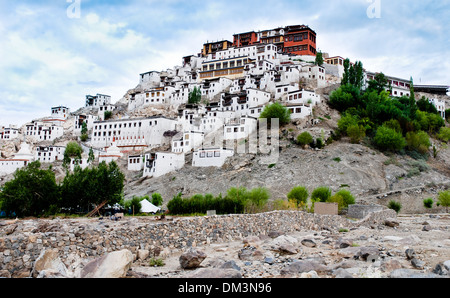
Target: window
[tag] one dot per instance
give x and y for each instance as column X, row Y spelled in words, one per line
column 202, row 154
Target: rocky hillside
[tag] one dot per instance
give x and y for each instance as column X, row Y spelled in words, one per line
column 371, row 175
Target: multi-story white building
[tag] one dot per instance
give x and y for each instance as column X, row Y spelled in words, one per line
column 49, row 154
column 41, row 131
column 80, row 119
column 161, row 163
column 131, row 133
column 9, row 133
column 241, row 128
column 97, row 100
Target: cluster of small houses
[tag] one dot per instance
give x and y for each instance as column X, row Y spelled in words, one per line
column 236, row 84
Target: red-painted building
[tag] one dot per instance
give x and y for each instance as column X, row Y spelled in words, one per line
column 299, row 40
column 245, row 39
column 296, row 39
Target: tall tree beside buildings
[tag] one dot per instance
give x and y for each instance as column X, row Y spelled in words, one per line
column 195, row 96
column 319, row 59
column 32, row 192
column 73, row 151
column 92, row 186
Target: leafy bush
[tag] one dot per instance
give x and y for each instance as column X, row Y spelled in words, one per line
column 418, row 141
column 157, row 199
column 348, row 198
column 444, row 134
column 276, row 111
column 396, row 206
column 304, row 138
column 107, row 115
column 299, row 194
column 356, row 133
column 428, row 203
column 336, row 198
column 444, row 198
column 388, row 139
column 321, row 194
column 346, row 121
column 134, row 204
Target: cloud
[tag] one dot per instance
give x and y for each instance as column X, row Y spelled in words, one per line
column 52, row 59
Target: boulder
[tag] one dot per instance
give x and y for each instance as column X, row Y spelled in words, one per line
column 49, row 263
column 192, row 258
column 300, row 266
column 308, row 243
column 112, row 265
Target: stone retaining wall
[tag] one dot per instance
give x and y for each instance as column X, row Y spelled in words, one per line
column 20, row 249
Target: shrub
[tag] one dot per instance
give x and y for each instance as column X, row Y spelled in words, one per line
column 276, row 111
column 418, row 141
column 346, row 121
column 396, row 206
column 444, row 134
column 304, row 138
column 444, row 198
column 157, row 199
column 134, row 204
column 428, row 203
column 321, row 194
column 299, row 194
column 356, row 133
column 388, row 139
column 348, row 198
column 257, row 199
column 107, row 115
column 84, row 137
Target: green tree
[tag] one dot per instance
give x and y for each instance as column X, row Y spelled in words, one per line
column 73, row 151
column 378, row 84
column 347, row 197
column 444, row 134
column 92, row 186
column 356, row 133
column 32, row 192
column 276, row 111
column 157, row 199
column 107, row 115
column 345, row 77
column 84, row 129
column 444, row 199
column 257, row 198
column 388, row 139
column 425, row 106
column 319, row 59
column 321, row 194
column 91, row 156
column 304, row 138
column 299, row 194
column 195, row 96
column 418, row 141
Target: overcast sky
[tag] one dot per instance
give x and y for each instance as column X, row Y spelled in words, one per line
column 55, row 52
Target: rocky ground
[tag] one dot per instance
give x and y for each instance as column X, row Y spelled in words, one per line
column 410, row 246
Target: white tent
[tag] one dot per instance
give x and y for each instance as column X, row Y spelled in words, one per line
column 147, row 207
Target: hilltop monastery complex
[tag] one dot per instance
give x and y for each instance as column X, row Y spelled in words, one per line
column 153, row 126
